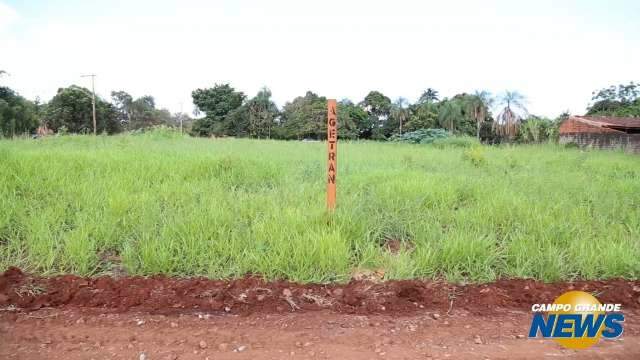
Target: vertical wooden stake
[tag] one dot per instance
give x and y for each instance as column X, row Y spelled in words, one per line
column 332, row 150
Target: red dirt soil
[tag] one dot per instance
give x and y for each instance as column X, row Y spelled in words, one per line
column 71, row 317
column 164, row 295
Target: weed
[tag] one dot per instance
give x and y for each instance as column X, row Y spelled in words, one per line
column 475, row 155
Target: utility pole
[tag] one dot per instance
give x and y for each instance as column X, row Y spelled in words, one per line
column 93, row 100
column 181, row 116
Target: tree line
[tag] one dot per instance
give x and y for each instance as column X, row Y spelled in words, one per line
column 222, row 110
column 228, row 112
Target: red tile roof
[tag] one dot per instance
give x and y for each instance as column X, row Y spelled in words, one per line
column 609, row 121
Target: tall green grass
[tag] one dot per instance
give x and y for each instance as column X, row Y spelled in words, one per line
column 225, row 208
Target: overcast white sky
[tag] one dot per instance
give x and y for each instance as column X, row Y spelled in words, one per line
column 553, row 52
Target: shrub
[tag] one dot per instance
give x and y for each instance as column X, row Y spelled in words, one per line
column 421, row 136
column 158, row 132
column 538, row 130
column 475, row 156
column 456, row 142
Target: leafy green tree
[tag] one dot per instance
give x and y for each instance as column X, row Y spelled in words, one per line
column 378, row 107
column 139, row 113
column 17, row 114
column 237, row 122
column 352, row 119
column 122, row 102
column 423, row 115
column 217, row 103
column 262, row 113
column 71, row 108
column 622, row 100
column 305, row 117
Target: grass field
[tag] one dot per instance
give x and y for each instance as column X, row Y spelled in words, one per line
column 225, row 208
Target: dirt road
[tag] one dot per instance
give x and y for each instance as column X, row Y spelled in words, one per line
column 91, row 334
column 69, row 317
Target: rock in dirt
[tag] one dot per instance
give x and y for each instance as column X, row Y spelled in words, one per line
column 435, row 316
column 202, row 344
column 241, row 348
column 477, row 340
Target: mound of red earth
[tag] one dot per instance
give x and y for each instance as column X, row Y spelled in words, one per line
column 166, row 295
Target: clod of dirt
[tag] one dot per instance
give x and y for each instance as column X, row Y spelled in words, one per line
column 223, row 346
column 202, row 344
column 435, row 316
column 394, row 246
column 368, row 275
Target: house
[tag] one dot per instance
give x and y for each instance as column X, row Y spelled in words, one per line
column 602, row 132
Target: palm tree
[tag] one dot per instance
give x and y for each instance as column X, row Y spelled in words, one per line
column 509, row 118
column 399, row 111
column 450, row 113
column 478, row 105
column 429, row 95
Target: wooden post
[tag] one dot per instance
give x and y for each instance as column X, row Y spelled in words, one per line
column 332, row 150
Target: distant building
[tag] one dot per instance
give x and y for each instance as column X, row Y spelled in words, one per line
column 43, row 131
column 602, row 132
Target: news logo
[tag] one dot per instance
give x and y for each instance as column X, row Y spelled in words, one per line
column 576, row 320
